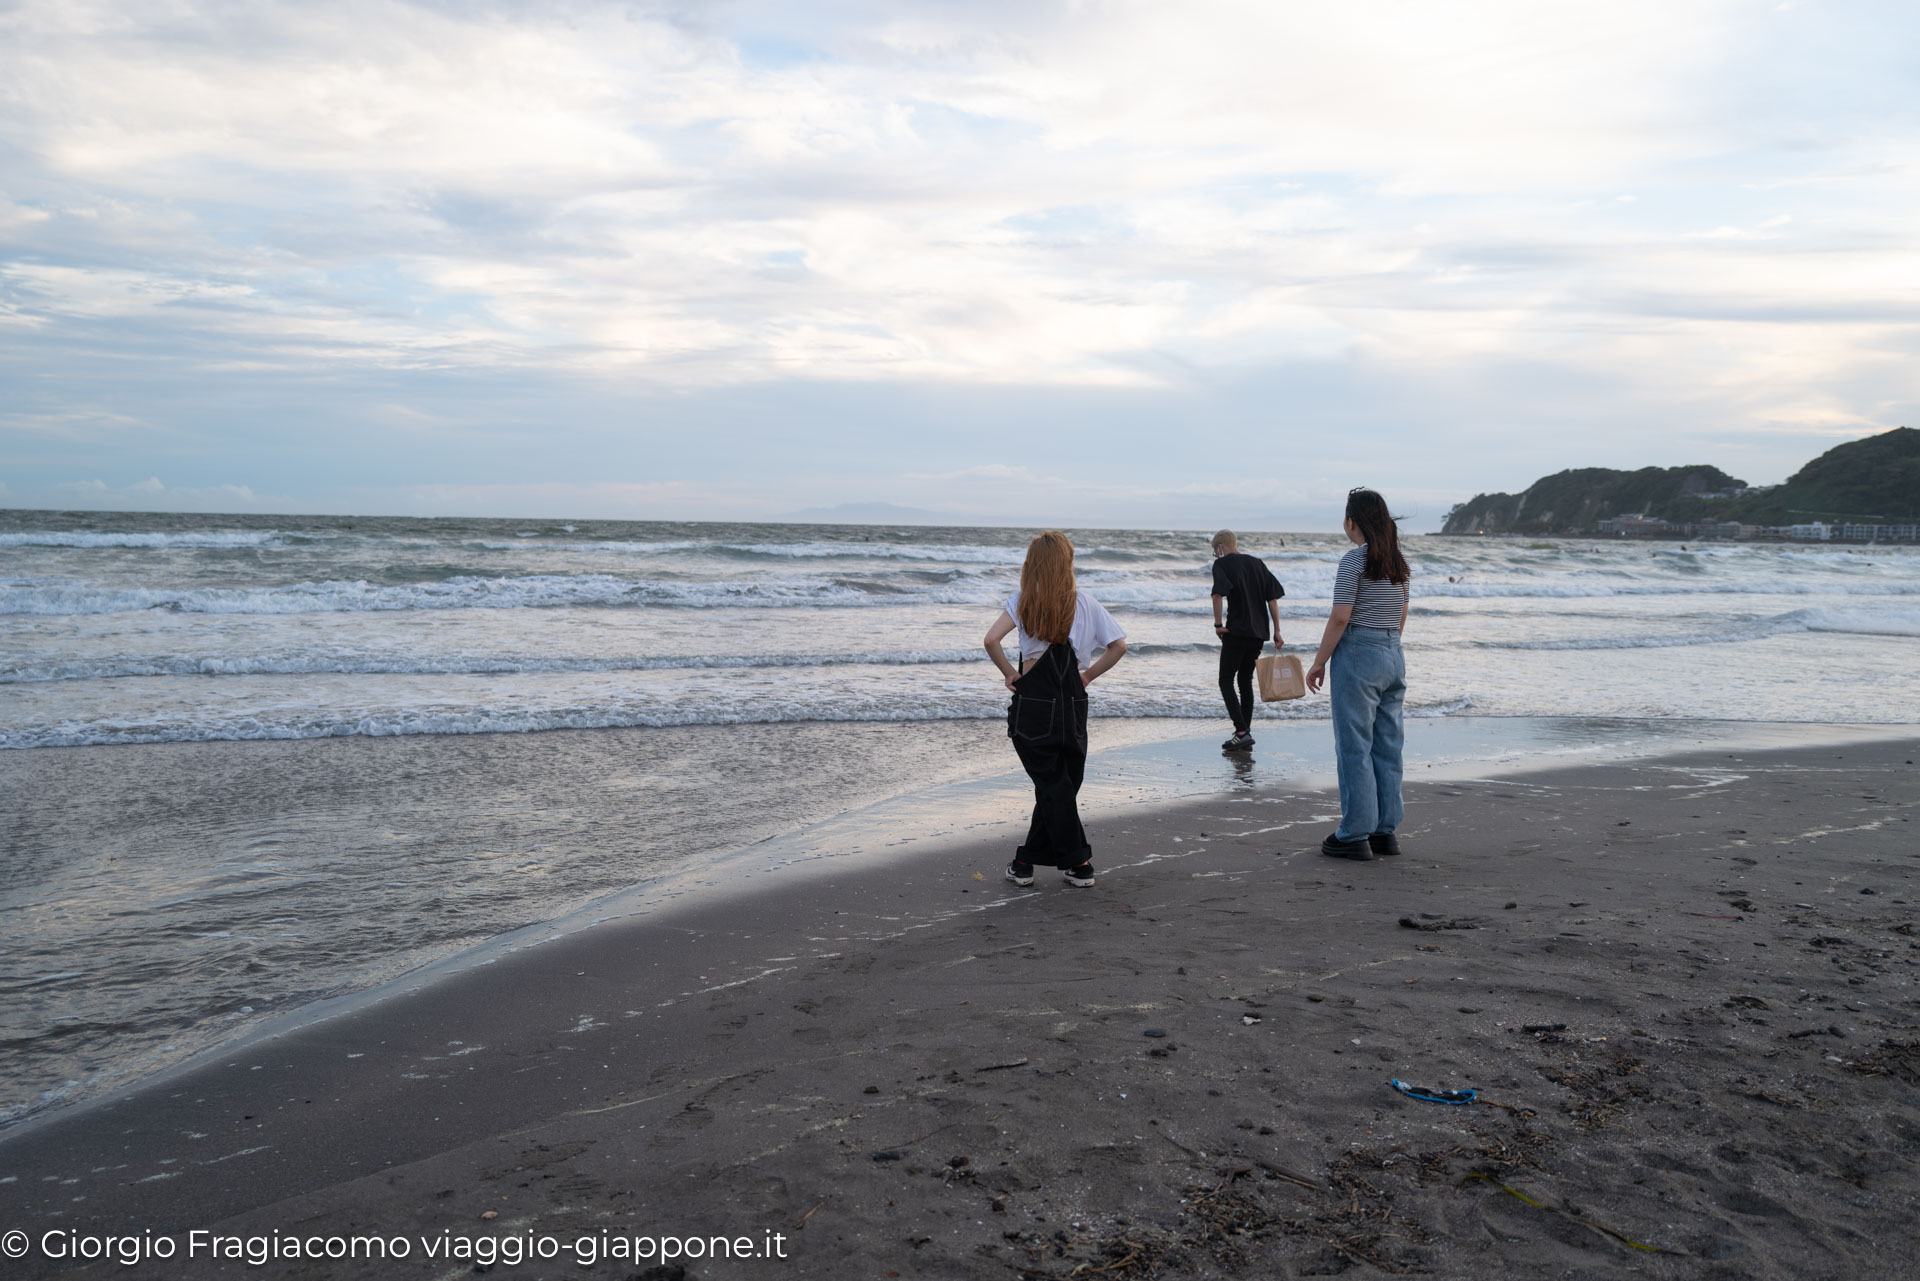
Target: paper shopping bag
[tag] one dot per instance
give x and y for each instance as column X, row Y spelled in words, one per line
column 1281, row 677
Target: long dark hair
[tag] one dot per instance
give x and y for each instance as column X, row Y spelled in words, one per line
column 1368, row 510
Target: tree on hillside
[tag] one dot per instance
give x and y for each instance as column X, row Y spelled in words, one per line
column 1874, row 479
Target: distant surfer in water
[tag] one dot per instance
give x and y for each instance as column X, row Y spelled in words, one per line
column 1057, row 628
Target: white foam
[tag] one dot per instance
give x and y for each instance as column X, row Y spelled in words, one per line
column 957, row 553
column 1896, row 622
column 313, row 664
column 1480, row 588
column 80, row 538
column 534, row 591
column 1863, row 622
column 1445, row 707
column 275, row 723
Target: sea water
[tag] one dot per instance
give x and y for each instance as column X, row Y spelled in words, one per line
column 269, row 760
column 167, row 628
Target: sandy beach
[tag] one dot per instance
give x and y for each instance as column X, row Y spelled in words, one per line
column 545, row 552
column 1683, row 987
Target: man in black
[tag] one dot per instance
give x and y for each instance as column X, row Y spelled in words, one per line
column 1251, row 596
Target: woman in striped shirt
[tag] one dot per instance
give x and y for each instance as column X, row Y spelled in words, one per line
column 1369, row 679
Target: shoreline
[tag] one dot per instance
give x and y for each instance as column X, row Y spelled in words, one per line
column 1158, row 772
column 1166, row 765
column 587, row 1009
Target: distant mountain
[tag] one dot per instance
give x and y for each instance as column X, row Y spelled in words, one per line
column 1875, row 479
column 1569, row 502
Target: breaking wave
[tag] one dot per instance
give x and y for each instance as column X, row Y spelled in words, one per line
column 956, row 586
column 310, row 723
column 210, row 538
column 1856, row 622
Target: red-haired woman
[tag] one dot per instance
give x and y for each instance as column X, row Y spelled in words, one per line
column 1058, row 628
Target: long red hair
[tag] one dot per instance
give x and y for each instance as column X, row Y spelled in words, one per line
column 1046, row 588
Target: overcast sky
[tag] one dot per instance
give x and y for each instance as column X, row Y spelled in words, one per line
column 1088, row 263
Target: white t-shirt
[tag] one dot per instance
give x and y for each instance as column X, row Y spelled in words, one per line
column 1093, row 628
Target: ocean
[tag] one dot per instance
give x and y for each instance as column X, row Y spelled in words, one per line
column 257, row 762
column 173, row 628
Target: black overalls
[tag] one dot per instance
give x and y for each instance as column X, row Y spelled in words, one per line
column 1047, row 722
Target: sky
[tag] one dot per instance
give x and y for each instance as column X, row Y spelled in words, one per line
column 1123, row 264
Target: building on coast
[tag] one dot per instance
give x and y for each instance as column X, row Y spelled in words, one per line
column 1641, row 525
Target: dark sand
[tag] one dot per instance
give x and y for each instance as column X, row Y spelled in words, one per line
column 944, row 1076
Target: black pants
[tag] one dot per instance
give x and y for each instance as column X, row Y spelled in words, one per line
column 1238, row 654
column 1047, row 722
column 1055, row 837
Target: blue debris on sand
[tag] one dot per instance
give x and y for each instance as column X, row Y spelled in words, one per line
column 1433, row 1096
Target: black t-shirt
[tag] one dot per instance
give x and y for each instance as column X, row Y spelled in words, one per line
column 1248, row 585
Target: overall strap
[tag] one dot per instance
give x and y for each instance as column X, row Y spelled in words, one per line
column 1061, row 657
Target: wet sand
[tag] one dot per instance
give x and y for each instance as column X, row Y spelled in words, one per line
column 1683, row 986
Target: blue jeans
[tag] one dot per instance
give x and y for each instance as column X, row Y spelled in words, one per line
column 1368, row 684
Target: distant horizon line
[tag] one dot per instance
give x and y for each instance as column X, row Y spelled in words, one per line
column 1204, row 531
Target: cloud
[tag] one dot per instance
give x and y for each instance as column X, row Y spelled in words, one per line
column 14, row 216
column 1003, row 494
column 1028, row 194
column 1693, row 214
column 148, row 495
column 76, row 422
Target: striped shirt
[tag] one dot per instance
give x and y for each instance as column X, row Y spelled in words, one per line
column 1375, row 601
